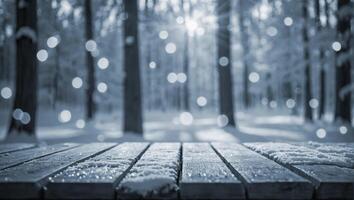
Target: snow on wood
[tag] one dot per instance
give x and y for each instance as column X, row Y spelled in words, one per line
column 27, row 32
column 297, row 154
column 10, row 159
column 100, row 172
column 154, row 175
column 10, row 147
column 26, row 180
column 205, row 176
column 345, row 150
column 329, row 171
column 263, row 178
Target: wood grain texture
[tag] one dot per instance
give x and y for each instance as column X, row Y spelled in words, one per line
column 10, row 159
column 95, row 178
column 6, row 148
column 263, row 178
column 26, row 180
column 205, row 176
column 330, row 172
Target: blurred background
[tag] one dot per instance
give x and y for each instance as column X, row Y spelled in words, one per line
column 203, row 70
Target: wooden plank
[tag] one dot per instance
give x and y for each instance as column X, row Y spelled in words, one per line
column 345, row 151
column 205, row 175
column 330, row 174
column 298, row 154
column 11, row 159
column 10, row 147
column 332, row 182
column 27, row 179
column 95, row 178
column 155, row 175
column 263, row 178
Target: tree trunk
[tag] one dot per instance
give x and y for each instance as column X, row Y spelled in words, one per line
column 56, row 77
column 343, row 68
column 90, row 89
column 269, row 91
column 224, row 55
column 307, row 77
column 24, row 119
column 245, row 46
column 185, row 90
column 322, row 87
column 132, row 95
column 147, row 69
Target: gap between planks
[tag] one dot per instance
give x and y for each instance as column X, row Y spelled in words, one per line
column 330, row 180
column 17, row 159
column 262, row 177
column 235, row 172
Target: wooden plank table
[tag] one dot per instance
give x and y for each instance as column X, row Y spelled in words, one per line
column 10, row 147
column 178, row 171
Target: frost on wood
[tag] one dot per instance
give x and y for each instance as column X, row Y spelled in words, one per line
column 265, row 179
column 202, row 164
column 300, row 155
column 40, row 168
column 9, row 147
column 106, row 167
column 27, row 32
column 11, row 159
column 155, row 174
column 253, row 166
column 205, row 175
column 344, row 150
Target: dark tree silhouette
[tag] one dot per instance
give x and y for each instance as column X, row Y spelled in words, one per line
column 245, row 47
column 185, row 90
column 322, row 86
column 24, row 107
column 224, row 61
column 132, row 95
column 90, row 89
column 343, row 68
column 307, row 77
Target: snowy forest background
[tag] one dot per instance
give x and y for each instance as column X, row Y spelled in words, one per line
column 280, row 70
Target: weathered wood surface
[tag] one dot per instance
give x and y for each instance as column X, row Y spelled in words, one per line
column 205, row 176
column 180, row 171
column 25, row 180
column 14, row 158
column 330, row 172
column 6, row 148
column 155, row 175
column 264, row 178
column 95, row 178
column 345, row 151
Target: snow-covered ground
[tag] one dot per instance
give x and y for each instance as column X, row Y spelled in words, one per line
column 253, row 126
